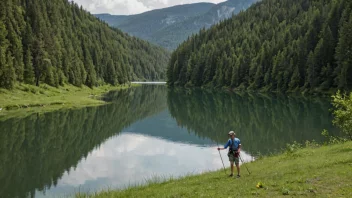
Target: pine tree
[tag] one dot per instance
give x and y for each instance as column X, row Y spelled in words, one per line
column 311, row 71
column 259, row 78
column 190, row 74
column 234, row 76
column 326, row 75
column 8, row 77
column 7, row 73
column 89, row 67
column 28, row 68
column 47, row 72
column 38, row 60
column 295, row 79
column 111, row 73
column 344, row 53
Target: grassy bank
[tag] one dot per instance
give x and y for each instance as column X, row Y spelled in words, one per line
column 27, row 99
column 321, row 172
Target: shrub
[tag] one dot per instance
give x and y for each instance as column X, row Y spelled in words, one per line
column 291, row 148
column 285, row 191
column 343, row 113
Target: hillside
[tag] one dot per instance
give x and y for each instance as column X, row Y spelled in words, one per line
column 146, row 24
column 112, row 20
column 56, row 42
column 173, row 35
column 276, row 45
column 169, row 27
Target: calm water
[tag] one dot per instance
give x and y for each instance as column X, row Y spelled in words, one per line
column 146, row 132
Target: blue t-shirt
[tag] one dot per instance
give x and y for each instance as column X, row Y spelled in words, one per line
column 235, row 144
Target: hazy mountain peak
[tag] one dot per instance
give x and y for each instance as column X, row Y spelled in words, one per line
column 168, row 27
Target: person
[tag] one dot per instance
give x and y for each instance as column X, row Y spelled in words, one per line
column 234, row 145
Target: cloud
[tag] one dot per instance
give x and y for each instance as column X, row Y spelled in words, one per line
column 118, row 7
column 126, row 7
column 131, row 158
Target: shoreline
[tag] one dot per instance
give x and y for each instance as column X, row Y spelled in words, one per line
column 299, row 93
column 25, row 99
column 149, row 83
column 302, row 172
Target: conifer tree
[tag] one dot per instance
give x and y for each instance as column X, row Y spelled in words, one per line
column 28, row 68
column 344, row 52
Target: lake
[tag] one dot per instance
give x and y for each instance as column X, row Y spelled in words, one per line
column 147, row 133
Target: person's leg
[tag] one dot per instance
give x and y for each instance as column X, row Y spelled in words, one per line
column 237, row 161
column 231, row 167
column 232, row 160
column 238, row 169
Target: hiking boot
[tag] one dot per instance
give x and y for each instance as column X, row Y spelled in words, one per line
column 238, row 176
column 231, row 175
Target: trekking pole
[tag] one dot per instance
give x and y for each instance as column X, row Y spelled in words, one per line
column 217, row 142
column 244, row 164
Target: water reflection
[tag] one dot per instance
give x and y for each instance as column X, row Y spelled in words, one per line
column 132, row 158
column 164, row 126
column 143, row 132
column 264, row 123
column 36, row 151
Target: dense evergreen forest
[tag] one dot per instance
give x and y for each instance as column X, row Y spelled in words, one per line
column 276, row 45
column 264, row 123
column 56, row 42
column 41, row 148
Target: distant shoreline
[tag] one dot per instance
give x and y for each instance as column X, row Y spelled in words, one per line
column 148, row 82
column 27, row 99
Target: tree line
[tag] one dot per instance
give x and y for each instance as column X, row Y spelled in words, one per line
column 57, row 42
column 276, row 45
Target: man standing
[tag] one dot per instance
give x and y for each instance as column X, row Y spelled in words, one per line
column 234, row 145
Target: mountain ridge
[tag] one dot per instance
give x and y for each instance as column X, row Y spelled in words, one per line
column 182, row 22
column 158, row 15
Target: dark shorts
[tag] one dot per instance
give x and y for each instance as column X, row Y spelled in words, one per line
column 232, row 158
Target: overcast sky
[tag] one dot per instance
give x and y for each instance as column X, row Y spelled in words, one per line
column 126, row 7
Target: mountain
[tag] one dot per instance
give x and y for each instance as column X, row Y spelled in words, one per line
column 112, row 20
column 275, row 45
column 169, row 27
column 56, row 42
column 145, row 24
column 171, row 36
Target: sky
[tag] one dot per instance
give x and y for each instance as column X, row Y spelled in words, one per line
column 128, row 7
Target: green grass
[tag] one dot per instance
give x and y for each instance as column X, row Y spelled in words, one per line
column 310, row 172
column 27, row 99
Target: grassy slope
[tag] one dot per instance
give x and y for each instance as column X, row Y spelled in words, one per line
column 26, row 99
column 319, row 172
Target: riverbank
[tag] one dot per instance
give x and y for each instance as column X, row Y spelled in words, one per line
column 313, row 171
column 27, row 99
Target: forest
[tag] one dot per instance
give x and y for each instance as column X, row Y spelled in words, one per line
column 275, row 45
column 57, row 42
column 42, row 147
